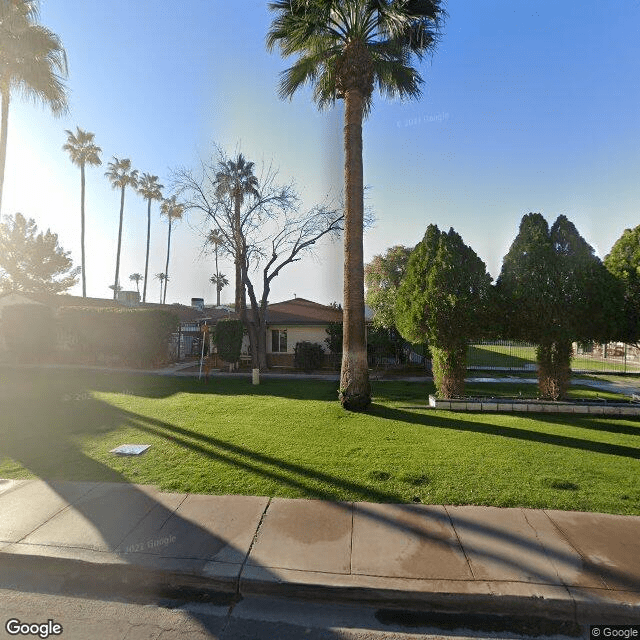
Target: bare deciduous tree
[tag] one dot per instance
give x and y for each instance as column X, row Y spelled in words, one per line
column 267, row 233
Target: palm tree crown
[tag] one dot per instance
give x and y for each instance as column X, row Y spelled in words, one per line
column 150, row 189
column 32, row 60
column 354, row 44
column 82, row 151
column 120, row 173
column 235, row 178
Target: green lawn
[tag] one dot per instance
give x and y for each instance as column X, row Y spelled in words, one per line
column 292, row 438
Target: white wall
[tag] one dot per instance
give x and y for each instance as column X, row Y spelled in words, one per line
column 297, row 334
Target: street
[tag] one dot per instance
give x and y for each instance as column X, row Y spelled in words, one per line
column 250, row 619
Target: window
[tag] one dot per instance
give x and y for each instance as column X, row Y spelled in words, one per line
column 278, row 340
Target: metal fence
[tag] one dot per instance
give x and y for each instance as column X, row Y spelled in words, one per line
column 505, row 355
column 508, row 355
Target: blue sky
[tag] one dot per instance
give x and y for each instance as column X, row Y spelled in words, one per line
column 526, row 107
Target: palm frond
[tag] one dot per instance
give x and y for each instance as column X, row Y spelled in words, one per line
column 81, row 148
column 319, row 32
column 149, row 187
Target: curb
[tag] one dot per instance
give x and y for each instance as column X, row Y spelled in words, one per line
column 156, row 581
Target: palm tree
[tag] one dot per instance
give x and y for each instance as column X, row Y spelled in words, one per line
column 344, row 49
column 83, row 151
column 149, row 189
column 215, row 238
column 32, row 60
column 173, row 210
column 163, row 277
column 220, row 280
column 121, row 175
column 136, row 277
column 236, row 180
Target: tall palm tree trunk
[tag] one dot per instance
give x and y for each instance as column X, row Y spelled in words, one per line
column 166, row 268
column 115, row 283
column 217, row 279
column 146, row 262
column 84, row 266
column 239, row 257
column 355, row 390
column 4, row 94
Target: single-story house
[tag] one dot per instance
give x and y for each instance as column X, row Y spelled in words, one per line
column 294, row 321
column 288, row 322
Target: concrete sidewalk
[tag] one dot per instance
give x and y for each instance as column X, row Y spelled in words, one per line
column 581, row 567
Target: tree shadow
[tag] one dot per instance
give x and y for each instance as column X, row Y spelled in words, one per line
column 153, row 537
column 430, row 419
column 55, row 383
column 619, row 424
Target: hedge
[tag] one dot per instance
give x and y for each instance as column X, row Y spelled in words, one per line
column 228, row 339
column 132, row 337
column 28, row 330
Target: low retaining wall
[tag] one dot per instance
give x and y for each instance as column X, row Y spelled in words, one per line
column 535, row 406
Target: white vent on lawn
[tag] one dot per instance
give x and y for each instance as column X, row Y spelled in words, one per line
column 130, row 449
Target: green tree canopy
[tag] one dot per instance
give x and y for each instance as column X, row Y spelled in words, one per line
column 382, row 277
column 33, row 262
column 443, row 300
column 624, row 263
column 554, row 290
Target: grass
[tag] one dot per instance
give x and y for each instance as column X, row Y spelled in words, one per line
column 292, row 439
column 517, row 356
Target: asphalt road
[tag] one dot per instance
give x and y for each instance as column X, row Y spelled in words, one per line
column 250, row 619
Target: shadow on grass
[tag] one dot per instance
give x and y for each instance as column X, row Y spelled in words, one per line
column 61, row 383
column 433, row 420
column 106, row 513
column 486, row 356
column 39, row 433
column 618, row 424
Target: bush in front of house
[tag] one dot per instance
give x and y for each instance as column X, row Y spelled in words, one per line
column 228, row 339
column 132, row 337
column 28, row 331
column 334, row 344
column 308, row 356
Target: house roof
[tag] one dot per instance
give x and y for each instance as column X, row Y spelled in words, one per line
column 12, row 298
column 58, row 301
column 300, row 311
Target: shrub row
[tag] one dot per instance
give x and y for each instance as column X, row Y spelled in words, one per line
column 28, row 330
column 132, row 337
